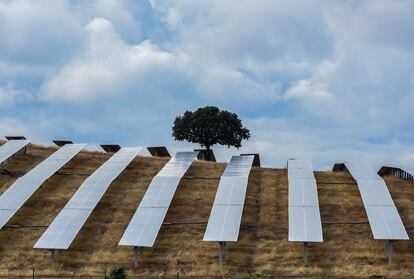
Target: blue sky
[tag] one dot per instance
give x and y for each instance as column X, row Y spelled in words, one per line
column 329, row 80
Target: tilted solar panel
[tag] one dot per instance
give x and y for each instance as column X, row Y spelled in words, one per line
column 10, row 148
column 70, row 220
column 298, row 168
column 143, row 229
column 303, row 192
column 21, row 190
column 409, row 170
column 225, row 217
column 382, row 214
column 305, row 224
column 304, row 217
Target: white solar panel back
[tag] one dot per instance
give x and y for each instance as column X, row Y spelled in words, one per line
column 304, row 217
column 73, row 216
column 225, row 217
column 21, row 190
column 147, row 220
column 382, row 214
column 10, row 148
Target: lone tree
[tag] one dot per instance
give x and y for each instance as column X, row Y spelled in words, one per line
column 208, row 126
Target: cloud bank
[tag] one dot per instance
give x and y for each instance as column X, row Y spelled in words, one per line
column 329, row 80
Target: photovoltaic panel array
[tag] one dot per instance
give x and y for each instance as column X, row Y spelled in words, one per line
column 21, row 190
column 225, row 217
column 383, row 216
column 303, row 206
column 304, row 217
column 10, row 148
column 147, row 220
column 70, row 220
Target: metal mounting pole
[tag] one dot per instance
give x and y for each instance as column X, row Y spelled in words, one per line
column 136, row 255
column 221, row 252
column 53, row 259
column 305, row 253
column 388, row 246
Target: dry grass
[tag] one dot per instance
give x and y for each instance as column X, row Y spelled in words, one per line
column 262, row 249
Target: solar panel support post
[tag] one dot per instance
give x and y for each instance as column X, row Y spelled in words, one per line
column 305, row 253
column 137, row 250
column 221, row 252
column 22, row 151
column 388, row 248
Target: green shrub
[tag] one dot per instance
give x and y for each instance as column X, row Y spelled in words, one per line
column 117, row 272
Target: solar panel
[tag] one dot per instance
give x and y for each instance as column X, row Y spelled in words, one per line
column 304, row 217
column 70, row 220
column 225, row 217
column 409, row 170
column 303, row 192
column 61, row 143
column 10, row 148
column 305, row 224
column 397, row 171
column 21, row 190
column 111, row 148
column 15, row 137
column 204, row 155
column 147, row 220
column 256, row 160
column 382, row 214
column 159, row 151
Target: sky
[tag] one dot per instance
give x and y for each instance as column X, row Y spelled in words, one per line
column 326, row 80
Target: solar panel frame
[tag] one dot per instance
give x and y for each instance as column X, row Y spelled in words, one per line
column 144, row 226
column 10, row 148
column 383, row 216
column 385, row 223
column 374, row 192
column 225, row 216
column 305, row 223
column 63, row 230
column 23, row 188
column 224, row 223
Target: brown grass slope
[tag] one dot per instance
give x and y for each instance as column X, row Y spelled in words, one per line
column 262, row 249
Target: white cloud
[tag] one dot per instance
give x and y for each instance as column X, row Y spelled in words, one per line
column 111, row 67
column 12, row 126
column 38, row 32
column 309, row 91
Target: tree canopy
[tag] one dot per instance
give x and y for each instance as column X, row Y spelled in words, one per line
column 208, row 126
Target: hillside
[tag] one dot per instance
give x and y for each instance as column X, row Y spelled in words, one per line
column 262, row 249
